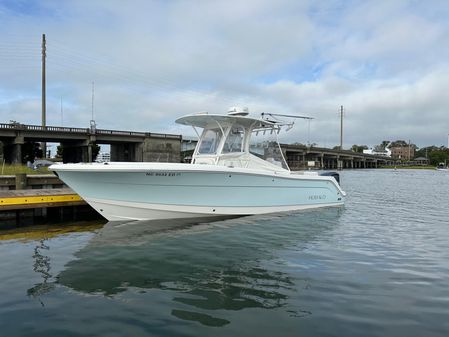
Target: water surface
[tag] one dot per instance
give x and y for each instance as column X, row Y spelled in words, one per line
column 376, row 267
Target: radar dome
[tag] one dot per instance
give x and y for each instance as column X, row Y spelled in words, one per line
column 238, row 111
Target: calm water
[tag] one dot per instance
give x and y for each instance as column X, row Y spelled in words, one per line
column 377, row 267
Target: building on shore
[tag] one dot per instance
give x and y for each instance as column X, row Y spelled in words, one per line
column 403, row 152
column 103, row 157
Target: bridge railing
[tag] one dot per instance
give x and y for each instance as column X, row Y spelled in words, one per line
column 163, row 135
column 120, row 133
column 21, row 127
column 24, row 127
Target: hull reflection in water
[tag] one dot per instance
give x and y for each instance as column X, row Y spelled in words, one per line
column 208, row 270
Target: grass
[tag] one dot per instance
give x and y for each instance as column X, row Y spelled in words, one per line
column 12, row 169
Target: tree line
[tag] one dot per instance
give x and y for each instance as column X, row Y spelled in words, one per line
column 433, row 153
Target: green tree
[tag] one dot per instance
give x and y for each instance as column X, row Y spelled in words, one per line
column 358, row 148
column 382, row 146
column 95, row 151
column 399, row 143
column 440, row 155
column 425, row 151
column 59, row 150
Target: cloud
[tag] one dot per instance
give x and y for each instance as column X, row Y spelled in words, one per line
column 151, row 62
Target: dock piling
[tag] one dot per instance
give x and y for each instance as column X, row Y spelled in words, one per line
column 21, row 181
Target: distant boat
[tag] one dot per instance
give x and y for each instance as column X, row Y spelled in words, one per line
column 441, row 167
column 228, row 176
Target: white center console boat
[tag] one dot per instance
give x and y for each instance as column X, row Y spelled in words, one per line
column 229, row 175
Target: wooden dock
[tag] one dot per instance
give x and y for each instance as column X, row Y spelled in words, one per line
column 38, row 198
column 42, row 206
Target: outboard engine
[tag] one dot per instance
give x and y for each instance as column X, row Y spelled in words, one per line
column 335, row 175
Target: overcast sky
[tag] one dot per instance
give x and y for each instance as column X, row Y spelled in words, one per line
column 386, row 62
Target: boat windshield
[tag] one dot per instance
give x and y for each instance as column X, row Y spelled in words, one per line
column 237, row 141
column 234, row 141
column 209, row 141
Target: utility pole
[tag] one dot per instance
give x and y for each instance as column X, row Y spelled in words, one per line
column 44, row 104
column 341, row 127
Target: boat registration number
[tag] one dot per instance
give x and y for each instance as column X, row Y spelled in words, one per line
column 163, row 174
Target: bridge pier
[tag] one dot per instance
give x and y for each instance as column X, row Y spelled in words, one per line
column 19, row 151
column 339, row 163
column 334, row 164
column 12, row 152
column 124, row 152
column 150, row 150
column 76, row 152
column 16, row 153
column 161, row 150
column 89, row 153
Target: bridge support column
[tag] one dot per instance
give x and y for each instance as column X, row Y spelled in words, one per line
column 86, row 153
column 152, row 149
column 75, row 152
column 124, row 152
column 162, row 150
column 16, row 155
column 339, row 163
column 89, row 153
column 2, row 156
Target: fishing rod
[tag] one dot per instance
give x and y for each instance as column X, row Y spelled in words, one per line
column 282, row 115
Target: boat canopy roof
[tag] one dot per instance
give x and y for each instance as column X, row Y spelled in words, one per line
column 204, row 120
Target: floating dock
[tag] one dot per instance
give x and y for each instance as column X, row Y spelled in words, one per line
column 42, row 198
column 37, row 206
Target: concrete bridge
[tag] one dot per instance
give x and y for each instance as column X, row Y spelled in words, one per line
column 77, row 146
column 77, row 143
column 299, row 156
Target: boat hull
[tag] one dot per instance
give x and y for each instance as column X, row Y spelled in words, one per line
column 154, row 191
column 129, row 211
